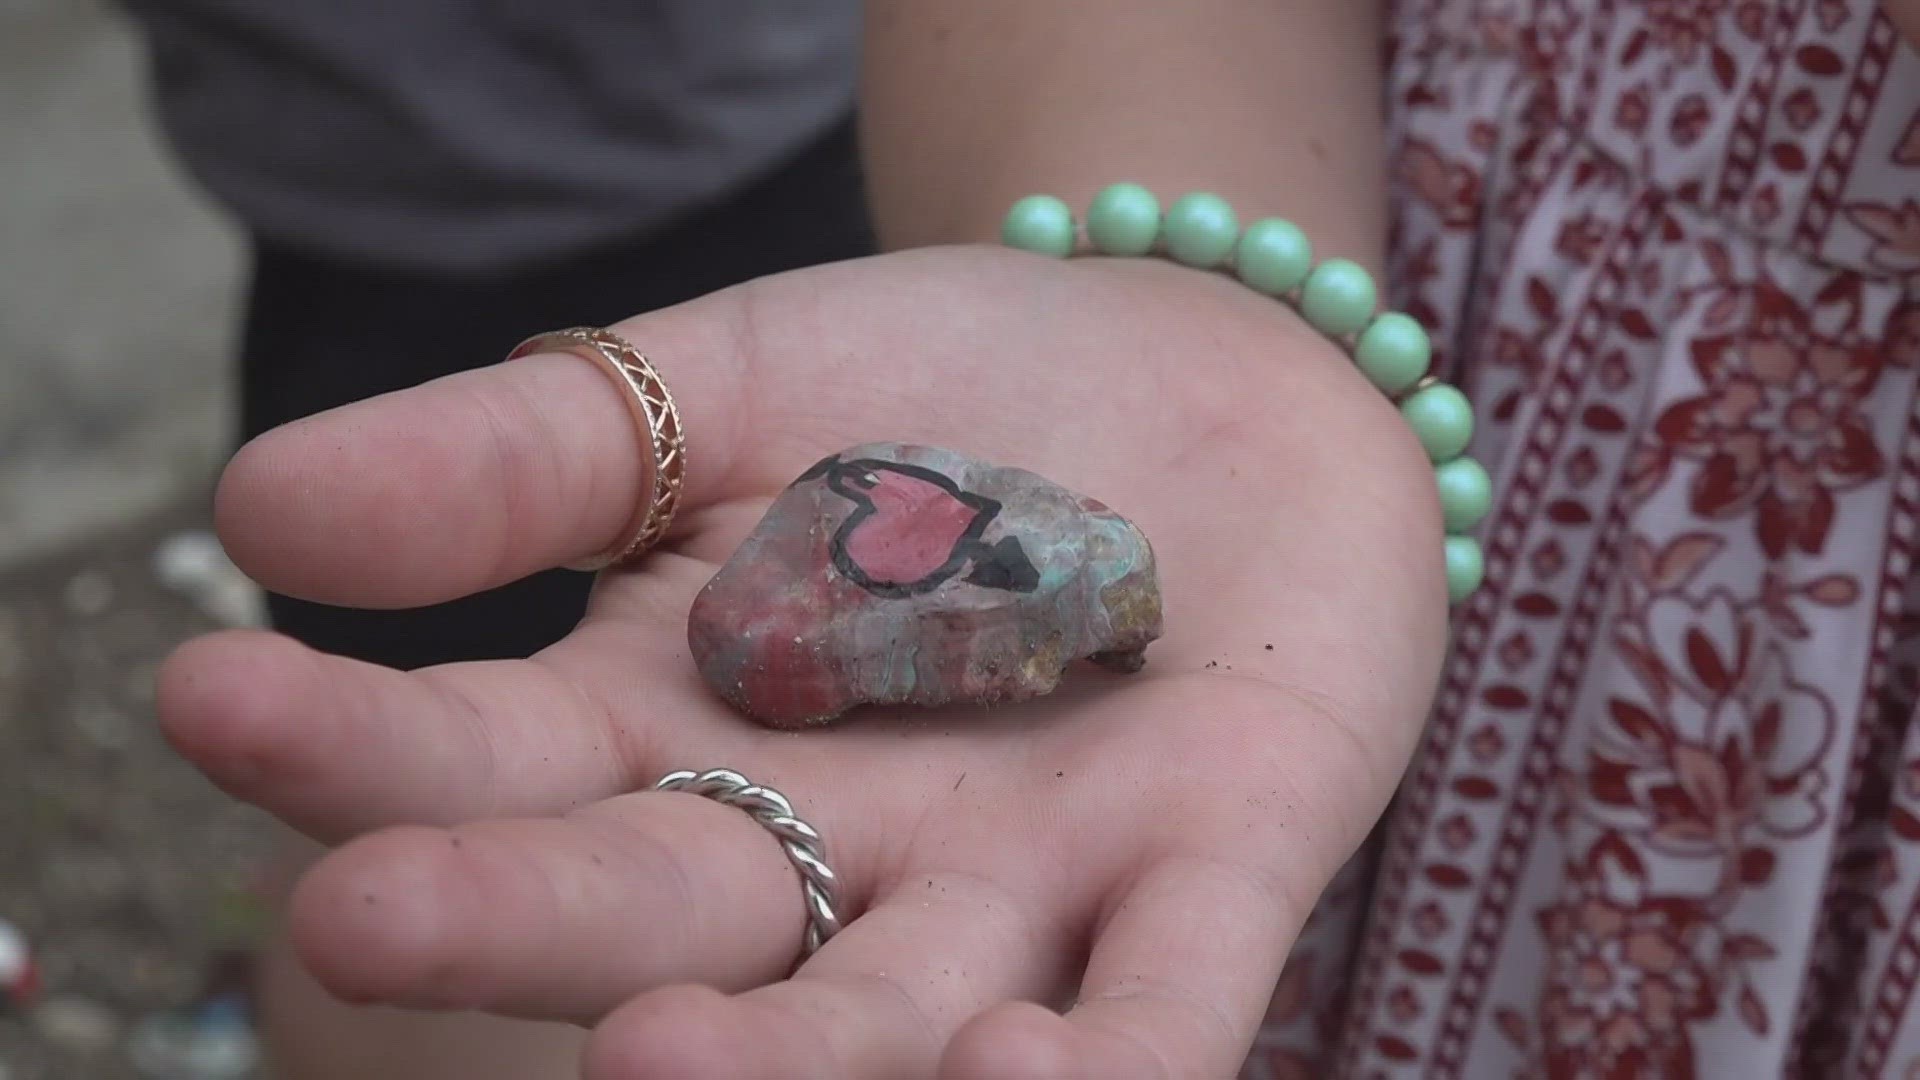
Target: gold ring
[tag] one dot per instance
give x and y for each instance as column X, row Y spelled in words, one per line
column 653, row 412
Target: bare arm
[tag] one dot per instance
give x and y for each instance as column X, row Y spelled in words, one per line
column 1906, row 16
column 970, row 104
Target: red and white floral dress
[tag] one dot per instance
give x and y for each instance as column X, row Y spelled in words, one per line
column 1665, row 821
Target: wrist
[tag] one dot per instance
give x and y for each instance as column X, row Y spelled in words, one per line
column 978, row 216
column 1335, row 296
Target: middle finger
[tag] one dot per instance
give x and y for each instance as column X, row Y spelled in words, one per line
column 337, row 746
column 557, row 918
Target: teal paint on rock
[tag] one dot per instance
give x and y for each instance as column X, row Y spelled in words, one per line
column 902, row 676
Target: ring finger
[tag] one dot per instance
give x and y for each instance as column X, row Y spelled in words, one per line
column 555, row 918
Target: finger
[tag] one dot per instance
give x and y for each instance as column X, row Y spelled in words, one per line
column 472, row 480
column 560, row 918
column 484, row 477
column 878, row 1002
column 1175, row 988
column 336, row 746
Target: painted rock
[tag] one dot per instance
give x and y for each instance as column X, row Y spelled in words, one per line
column 908, row 575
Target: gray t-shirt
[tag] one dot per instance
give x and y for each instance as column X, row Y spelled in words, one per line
column 473, row 134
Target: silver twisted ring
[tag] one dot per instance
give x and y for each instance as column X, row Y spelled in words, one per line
column 797, row 838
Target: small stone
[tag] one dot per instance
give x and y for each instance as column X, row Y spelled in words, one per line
column 142, row 675
column 86, row 880
column 93, row 715
column 189, row 560
column 890, row 574
column 234, row 601
column 89, row 593
column 195, row 565
column 211, row 1042
column 75, row 1022
column 19, row 975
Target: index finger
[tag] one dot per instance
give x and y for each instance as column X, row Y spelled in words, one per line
column 476, row 479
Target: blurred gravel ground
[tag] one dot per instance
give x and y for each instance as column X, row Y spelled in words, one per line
column 120, row 862
column 116, row 303
column 117, row 289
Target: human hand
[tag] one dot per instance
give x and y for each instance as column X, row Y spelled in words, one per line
column 1906, row 16
column 1140, row 848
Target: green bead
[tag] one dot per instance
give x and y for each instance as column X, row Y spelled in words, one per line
column 1041, row 224
column 1393, row 352
column 1274, row 256
column 1338, row 297
column 1466, row 566
column 1466, row 493
column 1201, row 229
column 1124, row 220
column 1442, row 418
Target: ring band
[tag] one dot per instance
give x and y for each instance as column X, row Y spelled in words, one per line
column 797, row 838
column 653, row 412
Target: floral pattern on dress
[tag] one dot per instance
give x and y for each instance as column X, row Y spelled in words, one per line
column 1625, row 978
column 1777, row 428
column 1665, row 818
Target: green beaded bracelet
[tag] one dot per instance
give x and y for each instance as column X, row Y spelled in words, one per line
column 1336, row 297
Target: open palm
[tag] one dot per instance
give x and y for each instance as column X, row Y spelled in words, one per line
column 1102, row 883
